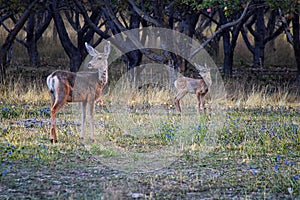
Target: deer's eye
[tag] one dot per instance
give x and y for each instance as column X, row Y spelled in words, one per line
column 99, row 58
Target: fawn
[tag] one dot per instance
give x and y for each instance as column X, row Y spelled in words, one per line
column 85, row 87
column 199, row 87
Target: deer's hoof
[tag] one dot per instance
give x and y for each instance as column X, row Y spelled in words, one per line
column 53, row 141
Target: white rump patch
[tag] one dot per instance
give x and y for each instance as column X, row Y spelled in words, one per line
column 52, row 82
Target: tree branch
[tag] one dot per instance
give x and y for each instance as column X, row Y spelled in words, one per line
column 286, row 28
column 143, row 15
column 220, row 29
column 10, row 38
column 246, row 40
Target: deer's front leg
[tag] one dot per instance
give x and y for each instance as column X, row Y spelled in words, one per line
column 83, row 118
column 92, row 125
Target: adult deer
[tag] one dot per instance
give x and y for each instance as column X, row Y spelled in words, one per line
column 85, row 87
column 200, row 87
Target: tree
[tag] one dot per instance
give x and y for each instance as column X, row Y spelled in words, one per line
column 12, row 36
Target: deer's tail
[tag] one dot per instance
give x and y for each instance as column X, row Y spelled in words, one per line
column 52, row 82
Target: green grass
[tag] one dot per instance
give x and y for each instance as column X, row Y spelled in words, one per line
column 236, row 151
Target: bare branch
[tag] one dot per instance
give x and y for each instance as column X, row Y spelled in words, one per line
column 143, row 14
column 221, row 28
column 286, row 28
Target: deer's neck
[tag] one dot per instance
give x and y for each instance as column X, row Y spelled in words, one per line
column 102, row 75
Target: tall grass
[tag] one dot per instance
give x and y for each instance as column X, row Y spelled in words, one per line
column 19, row 91
column 240, row 93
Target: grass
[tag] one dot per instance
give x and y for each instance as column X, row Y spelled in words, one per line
column 247, row 148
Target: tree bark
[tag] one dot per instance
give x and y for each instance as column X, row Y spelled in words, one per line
column 31, row 45
column 10, row 39
column 296, row 44
column 135, row 57
column 259, row 56
column 70, row 49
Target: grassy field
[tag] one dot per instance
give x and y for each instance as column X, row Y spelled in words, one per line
column 246, row 148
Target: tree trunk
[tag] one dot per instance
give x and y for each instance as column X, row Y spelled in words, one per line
column 227, row 53
column 72, row 52
column 10, row 38
column 296, row 45
column 31, row 41
column 135, row 57
column 188, row 26
column 227, row 66
column 258, row 56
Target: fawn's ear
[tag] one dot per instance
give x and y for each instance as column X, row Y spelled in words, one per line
column 107, row 48
column 93, row 52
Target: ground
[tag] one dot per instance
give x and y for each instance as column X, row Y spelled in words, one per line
column 234, row 168
column 253, row 153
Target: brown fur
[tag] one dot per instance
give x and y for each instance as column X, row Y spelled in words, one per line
column 85, row 87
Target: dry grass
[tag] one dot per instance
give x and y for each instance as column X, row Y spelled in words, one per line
column 20, row 91
column 240, row 94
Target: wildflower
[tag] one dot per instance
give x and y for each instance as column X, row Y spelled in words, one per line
column 168, row 136
column 4, row 130
column 4, row 172
column 278, row 158
column 286, row 162
column 276, row 167
column 199, row 127
column 296, row 178
column 10, row 153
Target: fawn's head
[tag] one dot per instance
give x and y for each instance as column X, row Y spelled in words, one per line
column 99, row 60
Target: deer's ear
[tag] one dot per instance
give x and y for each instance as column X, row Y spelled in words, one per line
column 93, row 52
column 107, row 48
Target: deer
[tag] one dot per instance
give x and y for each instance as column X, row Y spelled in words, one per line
column 85, row 87
column 200, row 87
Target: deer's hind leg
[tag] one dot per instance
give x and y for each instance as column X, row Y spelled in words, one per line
column 178, row 97
column 58, row 100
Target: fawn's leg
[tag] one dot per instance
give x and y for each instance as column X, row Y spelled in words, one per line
column 200, row 98
column 177, row 98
